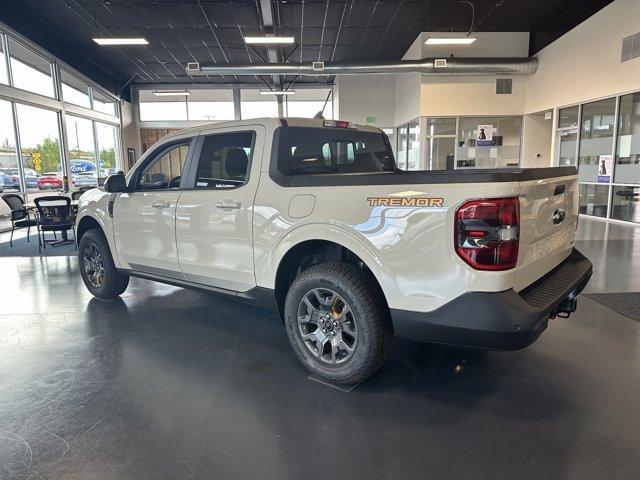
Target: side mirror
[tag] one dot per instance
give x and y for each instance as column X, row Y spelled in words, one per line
column 115, row 183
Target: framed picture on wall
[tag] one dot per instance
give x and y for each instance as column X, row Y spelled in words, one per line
column 131, row 157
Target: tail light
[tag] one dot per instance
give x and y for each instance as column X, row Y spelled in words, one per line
column 487, row 233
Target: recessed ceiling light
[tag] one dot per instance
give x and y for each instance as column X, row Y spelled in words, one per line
column 171, row 93
column 450, row 40
column 269, row 40
column 121, row 41
column 277, row 92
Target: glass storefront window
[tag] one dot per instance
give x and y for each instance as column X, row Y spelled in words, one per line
column 174, row 110
column 103, row 103
column 9, row 171
column 308, row 102
column 401, row 157
column 255, row 105
column 4, row 76
column 214, row 105
column 627, row 168
column 596, row 136
column 440, row 153
column 107, row 136
column 568, row 117
column 413, row 152
column 82, row 155
column 29, row 70
column 503, row 150
column 73, row 90
column 441, row 126
column 40, row 142
column 594, row 199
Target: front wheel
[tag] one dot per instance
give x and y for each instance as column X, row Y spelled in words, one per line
column 338, row 323
column 97, row 268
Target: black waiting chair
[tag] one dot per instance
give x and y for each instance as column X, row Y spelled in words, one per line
column 20, row 217
column 54, row 215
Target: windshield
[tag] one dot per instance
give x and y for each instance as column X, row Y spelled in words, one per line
column 307, row 151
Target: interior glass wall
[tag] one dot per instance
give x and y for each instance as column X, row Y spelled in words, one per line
column 608, row 152
column 488, row 142
column 440, row 143
column 107, row 144
column 401, row 150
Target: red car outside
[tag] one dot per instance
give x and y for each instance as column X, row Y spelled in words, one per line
column 49, row 180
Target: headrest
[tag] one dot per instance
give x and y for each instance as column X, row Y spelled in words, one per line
column 236, row 162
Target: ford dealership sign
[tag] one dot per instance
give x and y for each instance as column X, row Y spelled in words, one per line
column 80, row 166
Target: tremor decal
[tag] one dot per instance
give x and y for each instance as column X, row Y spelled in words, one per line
column 405, row 202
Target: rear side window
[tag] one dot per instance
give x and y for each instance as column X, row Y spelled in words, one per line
column 224, row 160
column 309, row 151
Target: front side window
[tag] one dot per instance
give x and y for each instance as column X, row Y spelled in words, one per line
column 165, row 171
column 308, row 151
column 224, row 160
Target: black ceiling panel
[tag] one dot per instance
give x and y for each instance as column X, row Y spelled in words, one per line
column 180, row 31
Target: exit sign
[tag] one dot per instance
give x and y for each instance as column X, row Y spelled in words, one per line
column 370, row 119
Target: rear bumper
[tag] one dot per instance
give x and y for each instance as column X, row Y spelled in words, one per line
column 505, row 320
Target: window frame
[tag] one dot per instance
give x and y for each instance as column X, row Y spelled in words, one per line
column 194, row 163
column 133, row 182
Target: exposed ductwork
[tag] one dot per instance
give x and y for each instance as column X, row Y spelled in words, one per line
column 427, row 66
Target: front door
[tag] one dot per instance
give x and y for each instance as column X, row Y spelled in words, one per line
column 215, row 212
column 144, row 219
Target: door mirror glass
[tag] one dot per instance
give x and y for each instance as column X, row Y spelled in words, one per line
column 115, row 183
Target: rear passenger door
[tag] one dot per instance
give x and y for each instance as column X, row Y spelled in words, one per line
column 215, row 212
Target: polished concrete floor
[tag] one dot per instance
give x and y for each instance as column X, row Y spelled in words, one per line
column 172, row 384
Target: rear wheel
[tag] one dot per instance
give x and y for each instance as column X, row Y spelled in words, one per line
column 337, row 323
column 97, row 268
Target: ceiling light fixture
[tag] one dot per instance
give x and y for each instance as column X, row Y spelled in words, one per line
column 277, row 92
column 450, row 40
column 171, row 93
column 269, row 40
column 121, row 41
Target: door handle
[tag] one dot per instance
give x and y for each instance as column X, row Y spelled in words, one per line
column 161, row 204
column 228, row 205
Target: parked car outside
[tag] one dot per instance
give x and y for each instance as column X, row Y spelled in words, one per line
column 49, row 180
column 86, row 179
column 12, row 179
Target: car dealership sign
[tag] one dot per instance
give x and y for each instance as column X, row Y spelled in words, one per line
column 80, row 166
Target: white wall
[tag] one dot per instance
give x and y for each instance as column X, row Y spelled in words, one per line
column 407, row 97
column 361, row 96
column 130, row 132
column 584, row 64
column 469, row 95
column 536, row 140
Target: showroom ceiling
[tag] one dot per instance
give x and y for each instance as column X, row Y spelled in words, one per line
column 181, row 31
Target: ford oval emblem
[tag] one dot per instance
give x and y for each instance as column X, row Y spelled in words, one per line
column 558, row 216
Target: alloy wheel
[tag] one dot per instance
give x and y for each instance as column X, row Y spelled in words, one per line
column 93, row 265
column 327, row 326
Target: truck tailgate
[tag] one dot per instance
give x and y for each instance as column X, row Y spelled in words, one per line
column 548, row 220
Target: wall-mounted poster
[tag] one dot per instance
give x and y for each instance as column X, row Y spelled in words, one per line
column 605, row 166
column 484, row 136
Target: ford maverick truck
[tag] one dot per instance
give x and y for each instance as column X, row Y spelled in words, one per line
column 313, row 219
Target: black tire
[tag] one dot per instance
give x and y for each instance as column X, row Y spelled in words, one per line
column 113, row 283
column 370, row 313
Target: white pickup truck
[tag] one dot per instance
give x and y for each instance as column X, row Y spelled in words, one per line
column 313, row 219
